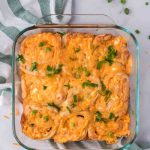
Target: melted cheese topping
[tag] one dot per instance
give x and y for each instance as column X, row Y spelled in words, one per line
column 75, row 86
column 73, row 127
column 39, row 123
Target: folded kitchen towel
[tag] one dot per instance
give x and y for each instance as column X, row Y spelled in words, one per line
column 16, row 15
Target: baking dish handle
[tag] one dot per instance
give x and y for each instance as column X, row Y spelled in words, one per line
column 76, row 19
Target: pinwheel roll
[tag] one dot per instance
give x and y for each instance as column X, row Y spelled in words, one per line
column 73, row 127
column 114, row 95
column 39, row 122
column 108, row 130
column 38, row 51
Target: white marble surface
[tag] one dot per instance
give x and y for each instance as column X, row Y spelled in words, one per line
column 139, row 18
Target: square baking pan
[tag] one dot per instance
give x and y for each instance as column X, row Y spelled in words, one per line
column 96, row 24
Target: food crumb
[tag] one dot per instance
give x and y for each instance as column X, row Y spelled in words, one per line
column 126, row 11
column 16, row 144
column 5, row 116
column 137, row 31
column 16, row 111
column 132, row 112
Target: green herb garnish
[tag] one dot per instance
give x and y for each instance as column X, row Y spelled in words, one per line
column 105, row 92
column 32, row 125
column 113, row 117
column 105, row 120
column 80, row 70
column 72, row 124
column 149, row 37
column 137, row 31
column 123, row 1
column 108, row 94
column 48, row 49
column 44, row 87
column 146, row 3
column 109, row 1
column 34, row 112
column 89, row 84
column 74, row 101
column 34, row 66
column 112, row 53
column 20, row 58
column 68, row 108
column 87, row 73
column 46, row 118
column 68, row 85
column 52, row 71
column 103, row 86
column 126, row 11
column 98, row 116
column 100, row 64
column 54, row 106
column 110, row 134
column 58, row 68
column 41, row 44
column 77, row 49
column 61, row 33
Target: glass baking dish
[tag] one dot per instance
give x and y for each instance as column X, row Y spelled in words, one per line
column 96, row 24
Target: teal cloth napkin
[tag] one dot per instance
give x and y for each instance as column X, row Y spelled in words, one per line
column 16, row 15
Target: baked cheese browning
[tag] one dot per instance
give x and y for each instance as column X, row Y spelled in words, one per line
column 39, row 123
column 115, row 96
column 111, row 70
column 33, row 92
column 100, row 44
column 39, row 51
column 109, row 131
column 120, row 44
column 80, row 101
column 73, row 127
column 77, row 52
column 118, row 48
column 72, row 78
